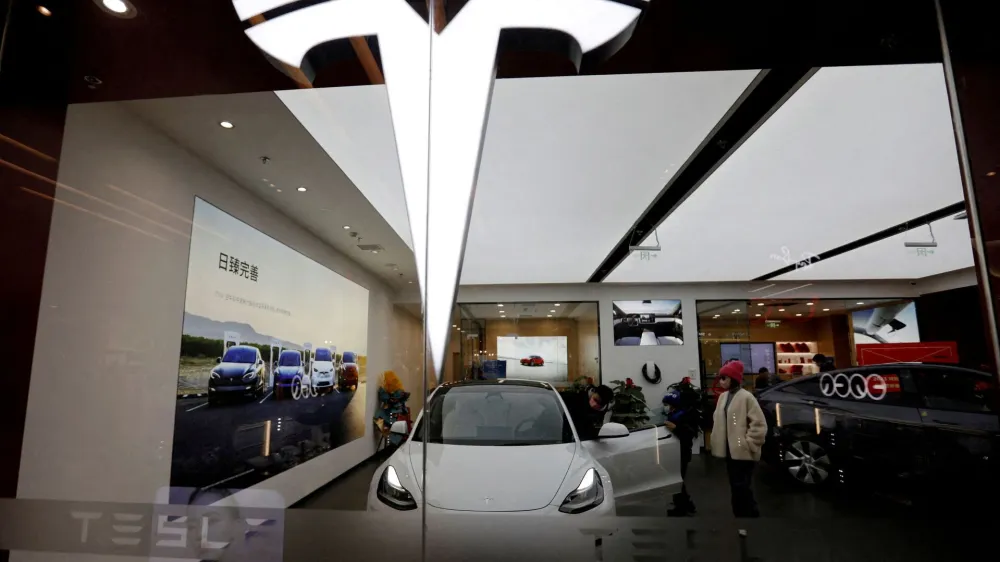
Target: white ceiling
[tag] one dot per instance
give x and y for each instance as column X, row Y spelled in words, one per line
column 264, row 127
column 568, row 163
column 887, row 258
column 856, row 150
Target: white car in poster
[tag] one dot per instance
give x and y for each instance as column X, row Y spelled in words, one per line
column 537, row 463
column 323, row 370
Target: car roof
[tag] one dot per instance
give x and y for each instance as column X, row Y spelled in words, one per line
column 243, row 347
column 896, row 365
column 290, row 351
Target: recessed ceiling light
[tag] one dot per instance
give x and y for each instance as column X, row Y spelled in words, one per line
column 548, row 316
column 410, row 282
column 991, row 174
column 302, row 188
column 347, row 227
column 279, row 191
column 225, row 124
column 756, row 314
column 760, row 304
column 557, row 304
column 553, row 310
column 781, row 310
column 860, row 302
column 263, row 179
column 798, row 314
column 116, row 6
column 374, row 251
column 736, row 310
column 44, row 11
column 500, row 305
column 810, row 303
column 454, row 325
column 272, row 185
column 826, row 310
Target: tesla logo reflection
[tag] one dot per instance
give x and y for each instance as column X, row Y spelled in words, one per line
column 856, row 385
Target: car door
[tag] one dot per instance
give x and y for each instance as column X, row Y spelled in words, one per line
column 959, row 411
column 647, row 459
column 883, row 430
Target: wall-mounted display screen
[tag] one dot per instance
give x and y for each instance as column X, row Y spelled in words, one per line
column 542, row 358
column 754, row 356
column 648, row 322
column 893, row 323
column 272, row 360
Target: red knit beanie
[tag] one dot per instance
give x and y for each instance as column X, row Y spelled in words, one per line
column 733, row 370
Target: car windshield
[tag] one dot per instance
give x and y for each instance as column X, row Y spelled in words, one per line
column 496, row 415
column 290, row 359
column 240, row 355
column 323, row 354
column 349, row 357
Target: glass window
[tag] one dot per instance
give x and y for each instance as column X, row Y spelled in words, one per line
column 350, row 357
column 290, row 359
column 955, row 390
column 496, row 415
column 240, row 355
column 323, row 354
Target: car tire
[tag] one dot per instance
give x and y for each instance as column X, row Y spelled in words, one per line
column 808, row 462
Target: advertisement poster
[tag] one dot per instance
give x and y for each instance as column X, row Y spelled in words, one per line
column 542, row 358
column 894, row 323
column 272, row 358
column 649, row 322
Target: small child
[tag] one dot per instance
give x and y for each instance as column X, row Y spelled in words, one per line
column 683, row 419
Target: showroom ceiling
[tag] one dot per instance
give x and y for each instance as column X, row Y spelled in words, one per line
column 264, row 127
column 854, row 151
column 570, row 163
column 778, row 309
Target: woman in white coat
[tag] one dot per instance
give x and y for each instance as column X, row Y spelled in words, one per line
column 738, row 432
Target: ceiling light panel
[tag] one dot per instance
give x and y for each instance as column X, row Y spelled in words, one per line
column 889, row 259
column 635, row 126
column 871, row 143
column 550, row 218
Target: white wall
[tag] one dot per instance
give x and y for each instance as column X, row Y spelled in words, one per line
column 675, row 362
column 100, row 417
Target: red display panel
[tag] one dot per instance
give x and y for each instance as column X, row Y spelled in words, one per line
column 927, row 352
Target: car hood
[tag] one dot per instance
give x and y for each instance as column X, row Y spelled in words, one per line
column 232, row 369
column 325, row 366
column 289, row 371
column 494, row 479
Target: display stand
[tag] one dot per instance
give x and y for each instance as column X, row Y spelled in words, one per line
column 795, row 358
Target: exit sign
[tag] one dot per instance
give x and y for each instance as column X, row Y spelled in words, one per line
column 772, row 323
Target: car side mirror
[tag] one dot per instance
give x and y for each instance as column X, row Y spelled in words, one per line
column 398, row 427
column 612, row 430
column 218, row 360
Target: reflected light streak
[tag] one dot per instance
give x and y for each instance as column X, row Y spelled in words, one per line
column 816, row 414
column 89, row 212
column 128, row 193
column 89, row 196
column 777, row 411
column 787, row 290
column 27, row 148
column 267, row 439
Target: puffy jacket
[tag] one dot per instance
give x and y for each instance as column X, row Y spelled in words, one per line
column 744, row 427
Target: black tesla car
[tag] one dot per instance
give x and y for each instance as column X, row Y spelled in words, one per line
column 887, row 426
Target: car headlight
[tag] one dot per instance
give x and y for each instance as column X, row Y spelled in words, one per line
column 215, row 375
column 392, row 493
column 588, row 495
column 250, row 376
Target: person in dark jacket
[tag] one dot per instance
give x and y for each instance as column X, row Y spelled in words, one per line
column 683, row 419
column 587, row 409
column 824, row 363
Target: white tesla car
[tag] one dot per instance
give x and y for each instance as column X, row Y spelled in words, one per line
column 509, row 446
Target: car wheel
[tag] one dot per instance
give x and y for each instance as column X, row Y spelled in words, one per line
column 808, row 462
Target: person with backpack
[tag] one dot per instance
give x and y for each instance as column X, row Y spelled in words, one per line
column 682, row 406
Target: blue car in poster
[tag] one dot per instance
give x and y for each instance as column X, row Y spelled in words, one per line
column 289, row 366
column 240, row 372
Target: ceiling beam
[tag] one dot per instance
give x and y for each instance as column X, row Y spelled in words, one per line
column 436, row 11
column 768, row 91
column 911, row 224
